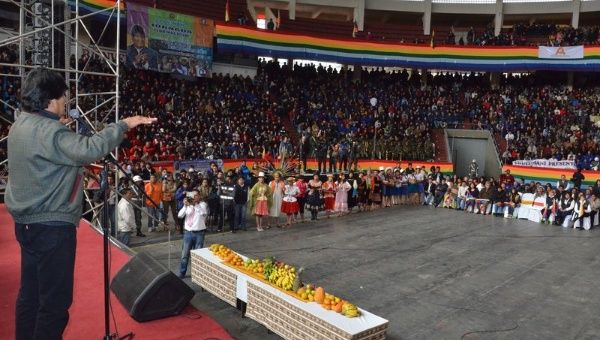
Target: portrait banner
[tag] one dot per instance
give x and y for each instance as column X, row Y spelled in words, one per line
column 168, row 42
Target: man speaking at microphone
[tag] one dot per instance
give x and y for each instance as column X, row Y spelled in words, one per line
column 44, row 196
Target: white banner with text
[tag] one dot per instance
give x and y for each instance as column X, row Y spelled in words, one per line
column 560, row 52
column 545, row 163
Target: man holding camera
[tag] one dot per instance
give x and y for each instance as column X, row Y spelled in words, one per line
column 194, row 211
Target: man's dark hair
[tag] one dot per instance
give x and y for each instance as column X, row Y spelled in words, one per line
column 40, row 87
column 137, row 30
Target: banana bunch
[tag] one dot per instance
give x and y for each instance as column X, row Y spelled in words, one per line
column 282, row 278
column 350, row 310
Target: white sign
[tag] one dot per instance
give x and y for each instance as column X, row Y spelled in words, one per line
column 546, row 163
column 560, row 52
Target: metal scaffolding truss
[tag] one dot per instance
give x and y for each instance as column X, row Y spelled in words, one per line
column 43, row 27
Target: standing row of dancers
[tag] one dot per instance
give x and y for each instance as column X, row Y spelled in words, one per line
column 293, row 197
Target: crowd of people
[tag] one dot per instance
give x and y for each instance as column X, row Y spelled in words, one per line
column 229, row 197
column 321, row 113
column 529, row 34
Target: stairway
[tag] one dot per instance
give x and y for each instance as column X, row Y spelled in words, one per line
column 290, row 130
column 441, row 145
column 501, row 144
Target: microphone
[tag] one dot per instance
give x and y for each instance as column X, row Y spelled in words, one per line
column 74, row 113
column 84, row 128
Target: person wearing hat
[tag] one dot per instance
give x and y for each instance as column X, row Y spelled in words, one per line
column 277, row 186
column 126, row 218
column 138, row 202
column 388, row 187
column 507, row 179
column 260, row 200
column 595, row 164
column 301, row 197
column 314, row 203
column 329, row 195
column 473, row 169
column 289, row 204
column 342, row 187
column 375, row 190
column 209, row 152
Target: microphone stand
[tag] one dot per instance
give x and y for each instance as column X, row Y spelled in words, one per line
column 107, row 335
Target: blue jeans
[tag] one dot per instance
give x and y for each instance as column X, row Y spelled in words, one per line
column 46, row 291
column 240, row 216
column 191, row 240
column 153, row 221
column 124, row 237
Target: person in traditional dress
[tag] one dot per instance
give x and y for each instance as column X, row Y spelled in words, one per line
column 550, row 208
column 581, row 214
column 397, row 179
column 289, row 204
column 403, row 187
column 388, row 187
column 329, row 195
column 277, row 186
column 260, row 200
column 342, row 187
column 376, row 188
column 313, row 197
column 362, row 192
column 565, row 209
column 301, row 197
column 421, row 177
column 352, row 193
column 413, row 189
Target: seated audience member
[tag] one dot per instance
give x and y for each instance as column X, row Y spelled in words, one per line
column 565, row 210
column 471, row 198
column 485, row 197
column 511, row 208
column 499, row 196
column 550, row 208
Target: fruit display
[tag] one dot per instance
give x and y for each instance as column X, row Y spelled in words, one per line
column 255, row 266
column 282, row 275
column 220, row 251
column 286, row 277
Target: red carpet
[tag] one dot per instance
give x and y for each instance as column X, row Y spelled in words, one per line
column 87, row 312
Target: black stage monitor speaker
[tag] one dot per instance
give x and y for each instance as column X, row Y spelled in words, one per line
column 148, row 290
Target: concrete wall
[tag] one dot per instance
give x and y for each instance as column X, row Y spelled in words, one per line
column 466, row 145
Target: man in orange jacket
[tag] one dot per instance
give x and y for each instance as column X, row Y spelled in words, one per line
column 154, row 192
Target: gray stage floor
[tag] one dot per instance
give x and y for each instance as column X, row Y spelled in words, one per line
column 434, row 273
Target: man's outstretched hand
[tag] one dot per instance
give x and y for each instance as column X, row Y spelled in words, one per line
column 134, row 121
